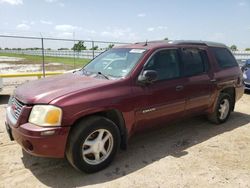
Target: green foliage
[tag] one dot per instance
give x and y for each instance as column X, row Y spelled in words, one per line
column 94, row 48
column 79, row 46
column 36, row 48
column 63, row 49
column 247, row 49
column 166, row 38
column 233, row 48
column 110, row 46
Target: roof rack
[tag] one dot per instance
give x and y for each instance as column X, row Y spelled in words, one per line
column 186, row 42
column 194, row 42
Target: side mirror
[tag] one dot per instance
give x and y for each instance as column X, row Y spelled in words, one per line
column 148, row 76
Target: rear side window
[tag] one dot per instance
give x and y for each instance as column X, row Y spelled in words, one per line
column 195, row 61
column 224, row 57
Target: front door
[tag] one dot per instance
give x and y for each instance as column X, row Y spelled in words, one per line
column 164, row 99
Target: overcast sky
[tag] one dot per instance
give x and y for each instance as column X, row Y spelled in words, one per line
column 226, row 21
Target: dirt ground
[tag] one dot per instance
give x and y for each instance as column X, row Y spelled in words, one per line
column 191, row 153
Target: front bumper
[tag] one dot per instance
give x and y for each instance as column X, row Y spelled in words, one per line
column 39, row 141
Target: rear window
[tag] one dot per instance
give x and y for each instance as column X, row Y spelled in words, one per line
column 224, row 57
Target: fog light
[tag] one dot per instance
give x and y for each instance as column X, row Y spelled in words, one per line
column 48, row 133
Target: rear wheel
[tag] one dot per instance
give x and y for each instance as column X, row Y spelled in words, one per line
column 92, row 144
column 222, row 110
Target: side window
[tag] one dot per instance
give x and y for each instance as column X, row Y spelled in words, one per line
column 195, row 61
column 224, row 57
column 165, row 63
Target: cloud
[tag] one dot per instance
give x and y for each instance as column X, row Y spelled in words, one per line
column 26, row 22
column 141, row 15
column 162, row 27
column 12, row 2
column 51, row 1
column 242, row 3
column 150, row 29
column 67, row 28
column 90, row 31
column 65, row 35
column 61, row 4
column 23, row 27
column 116, row 33
column 46, row 22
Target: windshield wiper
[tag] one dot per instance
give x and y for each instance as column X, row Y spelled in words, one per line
column 100, row 73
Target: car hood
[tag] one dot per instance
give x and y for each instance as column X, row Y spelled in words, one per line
column 45, row 90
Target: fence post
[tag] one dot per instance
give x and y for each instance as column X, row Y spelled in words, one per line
column 93, row 51
column 43, row 66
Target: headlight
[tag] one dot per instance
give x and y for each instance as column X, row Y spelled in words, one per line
column 46, row 115
column 244, row 75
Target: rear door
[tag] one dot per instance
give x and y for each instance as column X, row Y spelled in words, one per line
column 196, row 69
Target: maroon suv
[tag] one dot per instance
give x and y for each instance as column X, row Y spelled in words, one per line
column 87, row 115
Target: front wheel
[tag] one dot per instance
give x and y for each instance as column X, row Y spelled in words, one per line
column 92, row 144
column 222, row 110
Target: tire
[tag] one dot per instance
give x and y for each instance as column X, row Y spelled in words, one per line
column 88, row 140
column 217, row 117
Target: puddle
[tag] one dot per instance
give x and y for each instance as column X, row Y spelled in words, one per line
column 13, row 68
column 10, row 59
column 10, row 65
column 55, row 64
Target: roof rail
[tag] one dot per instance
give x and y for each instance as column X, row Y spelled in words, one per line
column 186, row 42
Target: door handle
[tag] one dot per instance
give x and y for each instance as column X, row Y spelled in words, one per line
column 179, row 88
column 213, row 80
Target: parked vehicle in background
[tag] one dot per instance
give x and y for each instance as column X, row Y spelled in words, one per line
column 1, row 84
column 88, row 114
column 241, row 62
column 246, row 74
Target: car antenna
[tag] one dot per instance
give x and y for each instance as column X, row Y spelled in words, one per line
column 146, row 43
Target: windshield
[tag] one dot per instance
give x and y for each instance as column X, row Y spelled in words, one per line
column 117, row 62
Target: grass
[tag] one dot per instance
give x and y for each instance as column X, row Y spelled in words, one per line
column 38, row 59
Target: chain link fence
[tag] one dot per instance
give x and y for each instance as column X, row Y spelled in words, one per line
column 33, row 54
column 41, row 54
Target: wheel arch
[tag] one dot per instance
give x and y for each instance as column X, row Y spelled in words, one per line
column 231, row 92
column 113, row 115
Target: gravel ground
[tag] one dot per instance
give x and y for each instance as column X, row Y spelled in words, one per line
column 191, row 153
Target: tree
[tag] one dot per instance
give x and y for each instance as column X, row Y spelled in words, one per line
column 247, row 49
column 94, row 48
column 166, row 38
column 110, row 46
column 79, row 46
column 233, row 48
column 63, row 49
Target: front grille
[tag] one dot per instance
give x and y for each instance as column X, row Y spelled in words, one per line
column 16, row 107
